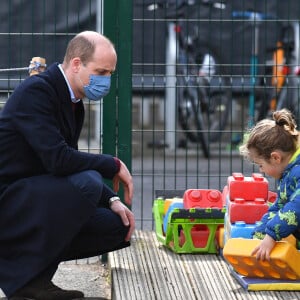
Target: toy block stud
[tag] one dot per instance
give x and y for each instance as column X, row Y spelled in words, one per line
column 200, row 198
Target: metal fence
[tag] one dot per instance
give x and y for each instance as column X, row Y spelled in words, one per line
column 42, row 29
column 203, row 71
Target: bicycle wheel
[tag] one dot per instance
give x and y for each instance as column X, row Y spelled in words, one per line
column 216, row 110
column 190, row 97
column 204, row 102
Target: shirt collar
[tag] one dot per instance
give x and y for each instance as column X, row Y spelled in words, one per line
column 73, row 99
column 295, row 155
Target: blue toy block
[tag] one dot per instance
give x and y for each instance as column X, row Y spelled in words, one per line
column 169, row 211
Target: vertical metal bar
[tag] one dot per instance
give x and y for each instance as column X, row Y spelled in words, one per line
column 109, row 102
column 171, row 50
column 99, row 110
column 125, row 81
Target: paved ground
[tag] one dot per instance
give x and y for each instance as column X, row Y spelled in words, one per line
column 90, row 276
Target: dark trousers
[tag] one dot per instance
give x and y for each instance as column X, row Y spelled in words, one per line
column 103, row 233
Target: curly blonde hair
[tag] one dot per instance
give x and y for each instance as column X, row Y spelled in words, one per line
column 270, row 135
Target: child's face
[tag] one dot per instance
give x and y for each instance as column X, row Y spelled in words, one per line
column 273, row 167
column 268, row 168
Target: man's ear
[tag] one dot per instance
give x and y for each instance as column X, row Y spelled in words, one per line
column 276, row 157
column 76, row 64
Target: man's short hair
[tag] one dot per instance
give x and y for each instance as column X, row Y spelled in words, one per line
column 80, row 47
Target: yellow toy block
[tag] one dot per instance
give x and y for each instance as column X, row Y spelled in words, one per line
column 284, row 261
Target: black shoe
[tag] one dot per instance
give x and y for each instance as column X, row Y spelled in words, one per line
column 45, row 291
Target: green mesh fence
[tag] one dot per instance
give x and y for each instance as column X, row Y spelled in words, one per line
column 203, row 72
column 42, row 29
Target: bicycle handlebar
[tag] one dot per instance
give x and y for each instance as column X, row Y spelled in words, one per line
column 251, row 15
column 176, row 8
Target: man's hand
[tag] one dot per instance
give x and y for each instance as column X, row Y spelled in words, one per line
column 125, row 178
column 264, row 249
column 126, row 215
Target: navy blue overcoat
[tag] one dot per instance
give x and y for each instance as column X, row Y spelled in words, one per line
column 40, row 211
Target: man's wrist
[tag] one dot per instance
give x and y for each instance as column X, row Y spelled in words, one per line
column 113, row 199
column 118, row 163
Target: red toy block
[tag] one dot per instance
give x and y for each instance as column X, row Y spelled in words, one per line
column 194, row 198
column 248, row 211
column 199, row 235
column 225, row 195
column 272, row 197
column 248, row 188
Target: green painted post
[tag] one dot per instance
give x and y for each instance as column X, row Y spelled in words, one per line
column 117, row 26
column 117, row 104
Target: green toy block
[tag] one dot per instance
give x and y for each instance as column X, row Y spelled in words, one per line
column 180, row 235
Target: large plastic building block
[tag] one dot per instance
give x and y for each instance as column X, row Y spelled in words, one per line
column 284, row 261
column 184, row 232
column 201, row 198
column 291, row 239
column 225, row 195
column 248, row 188
column 169, row 201
column 272, row 196
column 176, row 204
column 248, row 211
column 238, row 230
column 220, row 237
column 199, row 235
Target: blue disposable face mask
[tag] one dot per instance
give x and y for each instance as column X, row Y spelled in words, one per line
column 98, row 87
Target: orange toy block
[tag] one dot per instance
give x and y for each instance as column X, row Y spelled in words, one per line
column 284, row 261
column 220, row 236
column 248, row 188
column 202, row 198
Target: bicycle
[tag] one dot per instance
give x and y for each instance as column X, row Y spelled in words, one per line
column 203, row 103
column 203, row 96
column 285, row 71
column 282, row 86
column 255, row 19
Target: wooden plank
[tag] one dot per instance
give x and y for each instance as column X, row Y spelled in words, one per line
column 167, row 265
column 148, row 270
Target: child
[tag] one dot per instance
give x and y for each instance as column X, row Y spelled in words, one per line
column 274, row 146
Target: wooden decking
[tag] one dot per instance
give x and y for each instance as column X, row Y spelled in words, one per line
column 148, row 270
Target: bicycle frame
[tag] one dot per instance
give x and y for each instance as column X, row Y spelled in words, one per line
column 283, row 60
column 196, row 84
column 255, row 19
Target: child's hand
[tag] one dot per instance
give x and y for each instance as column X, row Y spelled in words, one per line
column 264, row 249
